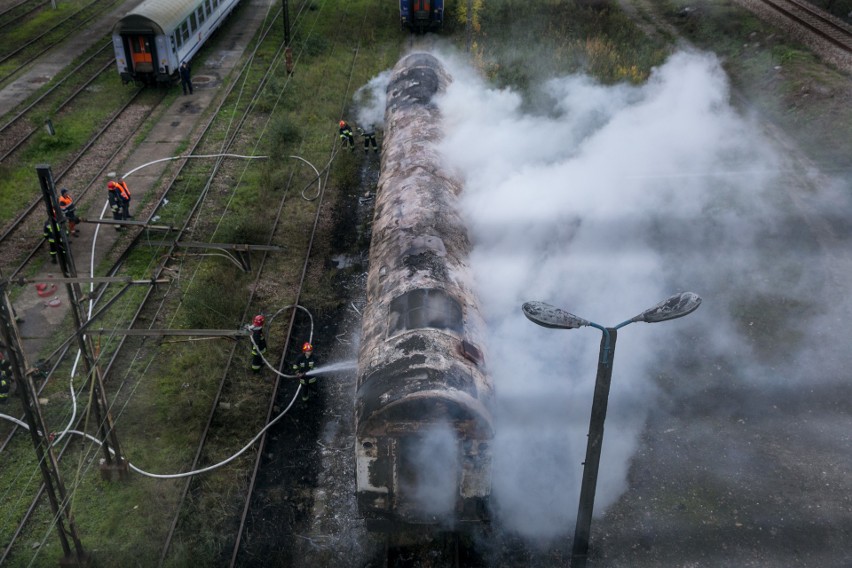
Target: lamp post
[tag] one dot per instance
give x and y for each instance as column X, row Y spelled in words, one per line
column 549, row 316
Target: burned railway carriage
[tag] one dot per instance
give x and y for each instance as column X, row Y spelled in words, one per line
column 423, row 420
column 151, row 40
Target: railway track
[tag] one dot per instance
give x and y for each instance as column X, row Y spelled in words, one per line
column 207, row 432
column 18, row 129
column 12, row 247
column 119, row 356
column 238, row 552
column 121, row 348
column 18, row 12
column 816, row 21
column 23, row 54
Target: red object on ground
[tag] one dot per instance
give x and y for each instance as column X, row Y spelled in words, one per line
column 45, row 290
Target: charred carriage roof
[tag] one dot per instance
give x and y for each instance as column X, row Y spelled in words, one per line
column 420, row 360
column 420, row 365
column 421, row 77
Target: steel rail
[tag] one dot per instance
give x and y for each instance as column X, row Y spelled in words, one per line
column 60, row 83
column 15, row 7
column 48, row 46
column 304, row 272
column 22, row 15
column 215, row 403
column 66, row 102
column 158, row 271
column 817, row 21
column 120, row 348
column 22, row 217
column 114, row 357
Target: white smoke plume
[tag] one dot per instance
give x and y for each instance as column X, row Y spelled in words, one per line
column 371, row 100
column 603, row 201
column 432, row 460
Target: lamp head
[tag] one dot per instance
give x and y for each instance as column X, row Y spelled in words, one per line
column 672, row 307
column 545, row 315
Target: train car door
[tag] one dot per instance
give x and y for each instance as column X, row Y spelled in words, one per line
column 420, row 12
column 421, row 15
column 142, row 54
column 427, row 476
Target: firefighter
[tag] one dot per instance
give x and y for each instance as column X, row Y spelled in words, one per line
column 5, row 379
column 305, row 363
column 258, row 342
column 115, row 202
column 369, row 138
column 346, row 135
column 123, row 193
column 53, row 239
column 69, row 209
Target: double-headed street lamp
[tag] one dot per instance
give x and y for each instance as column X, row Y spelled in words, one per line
column 546, row 315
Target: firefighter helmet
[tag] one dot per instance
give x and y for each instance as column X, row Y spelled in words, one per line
column 112, row 185
column 342, row 123
column 258, row 321
column 307, row 347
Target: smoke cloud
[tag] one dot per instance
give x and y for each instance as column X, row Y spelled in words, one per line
column 431, row 462
column 371, row 100
column 604, row 200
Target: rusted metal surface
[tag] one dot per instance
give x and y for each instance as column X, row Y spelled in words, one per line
column 421, row 360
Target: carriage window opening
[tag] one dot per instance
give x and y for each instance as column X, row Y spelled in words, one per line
column 424, row 308
column 184, row 32
column 215, row 4
column 193, row 23
column 200, row 13
column 209, row 7
column 175, row 42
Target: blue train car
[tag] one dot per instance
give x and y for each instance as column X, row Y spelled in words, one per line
column 421, row 15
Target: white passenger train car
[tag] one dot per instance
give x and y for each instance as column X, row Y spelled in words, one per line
column 152, row 39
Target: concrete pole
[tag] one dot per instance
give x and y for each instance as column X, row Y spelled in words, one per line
column 100, row 407
column 49, row 465
column 582, row 530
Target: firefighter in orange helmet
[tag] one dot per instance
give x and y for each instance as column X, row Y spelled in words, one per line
column 258, row 342
column 346, row 135
column 302, row 367
column 69, row 209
